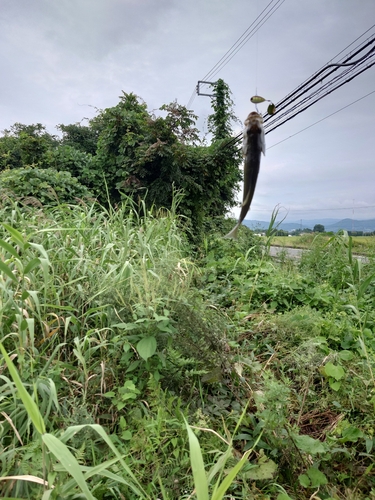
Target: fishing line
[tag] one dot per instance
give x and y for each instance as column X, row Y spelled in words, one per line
column 256, row 55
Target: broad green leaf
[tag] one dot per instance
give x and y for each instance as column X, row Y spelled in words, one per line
column 68, row 460
column 304, row 480
column 335, row 371
column 88, row 472
column 335, row 386
column 346, row 355
column 369, row 445
column 146, row 347
column 265, row 470
column 6, row 270
column 308, row 444
column 229, row 478
column 219, row 465
column 125, row 326
column 30, row 405
column 317, row 478
column 126, row 435
column 363, row 287
column 283, row 496
column 197, row 465
column 351, row 434
column 41, row 250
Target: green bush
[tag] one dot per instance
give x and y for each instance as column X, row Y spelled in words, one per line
column 45, row 185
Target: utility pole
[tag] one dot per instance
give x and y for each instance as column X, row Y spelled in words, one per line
column 204, row 83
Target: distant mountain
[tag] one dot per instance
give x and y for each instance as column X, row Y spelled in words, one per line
column 329, row 224
column 352, row 225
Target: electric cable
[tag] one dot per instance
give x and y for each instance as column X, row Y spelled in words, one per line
column 322, row 119
column 314, row 80
column 308, row 80
column 316, row 209
column 351, row 71
column 241, row 41
column 233, row 51
column 297, row 112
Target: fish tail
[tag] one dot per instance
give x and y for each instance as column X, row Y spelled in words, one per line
column 233, row 234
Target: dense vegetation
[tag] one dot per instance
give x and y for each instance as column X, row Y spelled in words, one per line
column 126, row 151
column 118, row 328
column 142, row 355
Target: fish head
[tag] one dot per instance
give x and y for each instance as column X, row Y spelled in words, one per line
column 254, row 119
column 254, row 125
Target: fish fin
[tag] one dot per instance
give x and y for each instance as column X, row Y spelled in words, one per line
column 233, row 234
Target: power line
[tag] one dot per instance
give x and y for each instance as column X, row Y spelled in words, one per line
column 319, row 98
column 350, row 71
column 327, row 65
column 244, row 38
column 241, row 41
column 314, row 209
column 192, row 97
column 325, row 118
column 356, row 67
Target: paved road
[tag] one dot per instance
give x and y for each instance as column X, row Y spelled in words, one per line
column 295, row 253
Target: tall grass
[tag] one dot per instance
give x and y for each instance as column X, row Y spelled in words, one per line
column 68, row 276
column 111, row 336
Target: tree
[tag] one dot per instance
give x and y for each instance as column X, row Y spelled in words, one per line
column 147, row 157
column 319, row 228
column 80, row 137
column 220, row 121
column 125, row 150
column 25, row 145
column 182, row 123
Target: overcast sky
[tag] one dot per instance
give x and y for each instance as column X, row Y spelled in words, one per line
column 61, row 59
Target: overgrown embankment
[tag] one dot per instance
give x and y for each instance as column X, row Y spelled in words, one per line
column 118, row 329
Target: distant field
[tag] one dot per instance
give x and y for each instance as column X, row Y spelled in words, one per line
column 361, row 244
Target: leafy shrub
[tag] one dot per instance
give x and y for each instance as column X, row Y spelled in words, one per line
column 46, row 185
column 25, row 145
column 72, row 160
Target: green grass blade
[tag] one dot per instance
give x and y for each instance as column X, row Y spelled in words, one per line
column 30, row 405
column 9, row 248
column 71, row 431
column 221, row 490
column 100, row 470
column 15, row 235
column 197, row 465
column 230, row 477
column 5, row 269
column 62, row 453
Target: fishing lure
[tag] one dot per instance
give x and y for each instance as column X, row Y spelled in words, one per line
column 257, row 99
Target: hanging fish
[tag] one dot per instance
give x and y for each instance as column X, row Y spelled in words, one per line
column 253, row 145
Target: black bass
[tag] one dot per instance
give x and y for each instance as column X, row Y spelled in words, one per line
column 253, row 145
